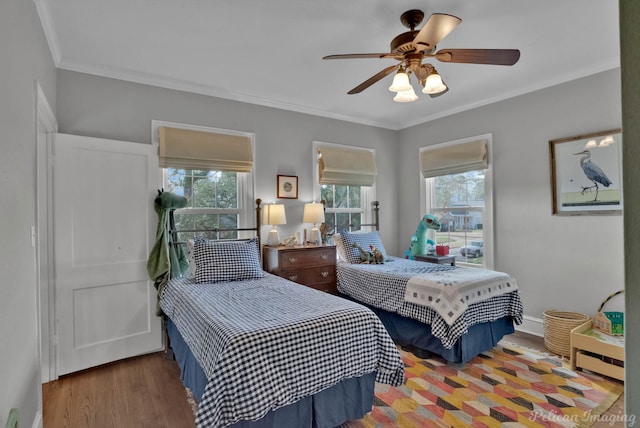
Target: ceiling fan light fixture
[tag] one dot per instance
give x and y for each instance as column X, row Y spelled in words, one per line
column 400, row 82
column 405, row 96
column 434, row 84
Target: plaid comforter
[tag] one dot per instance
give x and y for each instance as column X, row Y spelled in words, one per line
column 266, row 343
column 383, row 286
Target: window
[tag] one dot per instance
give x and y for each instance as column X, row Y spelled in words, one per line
column 343, row 207
column 348, row 189
column 213, row 201
column 212, row 169
column 461, row 199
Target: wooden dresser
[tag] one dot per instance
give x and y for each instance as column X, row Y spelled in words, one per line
column 310, row 265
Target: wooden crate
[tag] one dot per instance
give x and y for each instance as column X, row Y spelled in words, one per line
column 595, row 351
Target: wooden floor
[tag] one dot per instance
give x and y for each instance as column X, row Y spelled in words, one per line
column 139, row 392
column 146, row 391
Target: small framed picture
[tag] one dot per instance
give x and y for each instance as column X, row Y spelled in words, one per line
column 287, row 187
column 586, row 174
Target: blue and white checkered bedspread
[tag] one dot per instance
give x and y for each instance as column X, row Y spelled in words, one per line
column 266, row 343
column 383, row 286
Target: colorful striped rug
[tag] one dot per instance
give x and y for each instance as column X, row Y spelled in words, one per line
column 504, row 387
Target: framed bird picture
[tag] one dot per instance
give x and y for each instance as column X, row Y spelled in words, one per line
column 586, row 174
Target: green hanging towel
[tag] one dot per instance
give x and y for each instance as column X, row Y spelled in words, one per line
column 165, row 259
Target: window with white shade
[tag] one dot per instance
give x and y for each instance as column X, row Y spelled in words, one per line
column 212, row 168
column 456, row 183
column 345, row 180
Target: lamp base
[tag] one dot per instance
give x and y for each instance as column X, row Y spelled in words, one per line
column 314, row 236
column 273, row 240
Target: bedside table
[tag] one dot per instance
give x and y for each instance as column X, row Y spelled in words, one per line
column 442, row 260
column 310, row 265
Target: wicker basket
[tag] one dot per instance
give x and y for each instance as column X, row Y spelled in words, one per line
column 557, row 330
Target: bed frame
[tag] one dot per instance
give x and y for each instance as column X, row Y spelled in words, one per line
column 173, row 233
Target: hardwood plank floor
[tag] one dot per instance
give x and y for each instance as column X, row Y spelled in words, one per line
column 140, row 392
column 146, row 391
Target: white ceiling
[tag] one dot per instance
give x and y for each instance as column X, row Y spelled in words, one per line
column 270, row 52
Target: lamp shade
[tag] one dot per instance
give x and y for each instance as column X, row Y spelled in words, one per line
column 405, row 96
column 400, row 82
column 434, row 84
column 313, row 213
column 274, row 214
column 590, row 144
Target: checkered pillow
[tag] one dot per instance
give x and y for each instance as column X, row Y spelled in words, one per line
column 352, row 255
column 218, row 261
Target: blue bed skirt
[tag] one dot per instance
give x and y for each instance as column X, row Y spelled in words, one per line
column 413, row 333
column 348, row 400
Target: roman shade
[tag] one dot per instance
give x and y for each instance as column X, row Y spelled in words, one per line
column 454, row 159
column 346, row 166
column 191, row 149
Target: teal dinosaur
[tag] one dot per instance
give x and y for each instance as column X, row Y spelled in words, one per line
column 419, row 241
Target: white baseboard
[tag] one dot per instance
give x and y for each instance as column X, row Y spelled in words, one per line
column 37, row 421
column 531, row 325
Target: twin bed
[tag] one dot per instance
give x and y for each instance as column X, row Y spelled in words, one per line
column 257, row 350
column 451, row 311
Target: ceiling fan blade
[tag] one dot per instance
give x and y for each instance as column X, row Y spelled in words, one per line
column 479, row 56
column 437, row 27
column 373, row 79
column 364, row 55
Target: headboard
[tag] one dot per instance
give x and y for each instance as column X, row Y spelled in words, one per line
column 173, row 232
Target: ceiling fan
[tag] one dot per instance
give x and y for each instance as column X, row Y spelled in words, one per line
column 412, row 46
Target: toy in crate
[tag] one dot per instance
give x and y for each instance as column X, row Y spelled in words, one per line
column 609, row 322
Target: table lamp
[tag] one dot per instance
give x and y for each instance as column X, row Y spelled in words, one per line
column 314, row 213
column 274, row 214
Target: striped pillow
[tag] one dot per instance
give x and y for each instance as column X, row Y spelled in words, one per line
column 218, row 261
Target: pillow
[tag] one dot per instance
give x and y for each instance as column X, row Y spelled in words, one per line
column 337, row 241
column 218, row 261
column 191, row 271
column 352, row 255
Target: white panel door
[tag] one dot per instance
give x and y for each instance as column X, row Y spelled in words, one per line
column 104, row 225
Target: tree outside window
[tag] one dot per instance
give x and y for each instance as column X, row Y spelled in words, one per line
column 343, row 207
column 212, row 201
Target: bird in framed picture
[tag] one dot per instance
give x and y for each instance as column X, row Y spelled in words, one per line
column 593, row 173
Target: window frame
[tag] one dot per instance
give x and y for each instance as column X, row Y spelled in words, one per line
column 367, row 193
column 246, row 180
column 426, row 189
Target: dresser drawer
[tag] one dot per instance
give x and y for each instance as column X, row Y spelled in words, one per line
column 312, row 266
column 310, row 257
column 312, row 275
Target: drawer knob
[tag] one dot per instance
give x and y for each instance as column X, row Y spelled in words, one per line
column 324, row 256
column 293, row 259
column 293, row 278
column 324, row 274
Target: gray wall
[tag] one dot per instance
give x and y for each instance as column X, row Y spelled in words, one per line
column 25, row 58
column 107, row 108
column 567, row 263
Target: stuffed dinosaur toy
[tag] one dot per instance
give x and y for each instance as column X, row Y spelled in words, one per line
column 419, row 241
column 371, row 257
